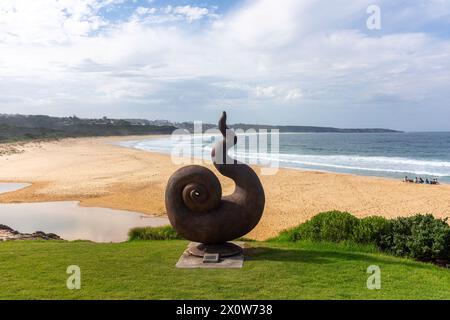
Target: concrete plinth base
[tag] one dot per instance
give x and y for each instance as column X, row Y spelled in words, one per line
column 224, row 250
column 190, row 261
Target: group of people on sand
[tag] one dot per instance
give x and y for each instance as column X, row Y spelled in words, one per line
column 421, row 181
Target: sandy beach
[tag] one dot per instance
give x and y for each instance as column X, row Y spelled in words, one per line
column 99, row 173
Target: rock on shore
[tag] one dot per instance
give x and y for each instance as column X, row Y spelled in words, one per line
column 7, row 233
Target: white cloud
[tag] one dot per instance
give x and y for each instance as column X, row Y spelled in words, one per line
column 191, row 13
column 294, row 94
column 145, row 10
column 265, row 92
column 48, row 21
column 171, row 14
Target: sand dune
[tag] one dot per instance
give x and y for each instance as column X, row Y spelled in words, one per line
column 99, row 173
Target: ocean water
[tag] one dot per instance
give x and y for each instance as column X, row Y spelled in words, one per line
column 393, row 155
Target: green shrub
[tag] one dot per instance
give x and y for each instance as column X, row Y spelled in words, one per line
column 370, row 230
column 394, row 238
column 151, row 233
column 289, row 235
column 420, row 237
column 334, row 226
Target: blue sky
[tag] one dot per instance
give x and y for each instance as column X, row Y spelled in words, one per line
column 122, row 11
column 308, row 62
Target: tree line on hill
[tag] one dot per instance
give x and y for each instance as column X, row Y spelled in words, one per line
column 25, row 127
column 28, row 127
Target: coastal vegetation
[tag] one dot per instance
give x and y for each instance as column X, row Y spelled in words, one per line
column 29, row 127
column 420, row 237
column 21, row 127
column 153, row 233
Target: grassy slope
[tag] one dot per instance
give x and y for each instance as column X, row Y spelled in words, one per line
column 146, row 270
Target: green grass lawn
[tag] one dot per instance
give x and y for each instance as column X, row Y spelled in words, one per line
column 146, row 270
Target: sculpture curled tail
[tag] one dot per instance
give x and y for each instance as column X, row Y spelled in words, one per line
column 194, row 201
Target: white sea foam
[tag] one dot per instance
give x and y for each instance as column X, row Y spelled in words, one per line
column 361, row 163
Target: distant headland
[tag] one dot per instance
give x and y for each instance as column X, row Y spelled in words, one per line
column 16, row 127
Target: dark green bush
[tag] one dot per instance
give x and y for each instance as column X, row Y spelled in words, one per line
column 150, row 233
column 370, row 230
column 332, row 226
column 421, row 237
column 289, row 235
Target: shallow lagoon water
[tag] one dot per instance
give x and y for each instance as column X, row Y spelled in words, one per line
column 71, row 221
column 8, row 187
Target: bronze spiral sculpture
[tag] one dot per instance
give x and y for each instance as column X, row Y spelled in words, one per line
column 198, row 211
